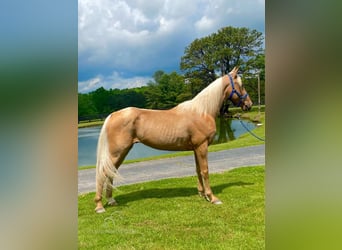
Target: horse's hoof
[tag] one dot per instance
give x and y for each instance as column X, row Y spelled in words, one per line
column 100, row 210
column 217, row 202
column 112, row 202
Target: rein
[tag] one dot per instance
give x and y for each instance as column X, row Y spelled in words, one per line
column 234, row 91
column 261, row 139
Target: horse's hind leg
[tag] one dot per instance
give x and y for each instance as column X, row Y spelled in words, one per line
column 101, row 180
column 109, row 190
column 99, row 189
column 108, row 180
column 116, row 162
column 98, row 196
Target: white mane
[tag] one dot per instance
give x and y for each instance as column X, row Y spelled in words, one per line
column 208, row 101
column 238, row 79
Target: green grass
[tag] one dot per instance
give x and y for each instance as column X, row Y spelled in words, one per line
column 90, row 124
column 243, row 141
column 168, row 214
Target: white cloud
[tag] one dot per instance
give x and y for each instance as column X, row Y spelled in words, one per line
column 143, row 36
column 89, row 85
column 204, row 24
column 113, row 81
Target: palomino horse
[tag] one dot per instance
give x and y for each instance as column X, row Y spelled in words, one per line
column 188, row 126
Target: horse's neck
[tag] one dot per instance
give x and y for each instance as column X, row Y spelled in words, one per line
column 208, row 101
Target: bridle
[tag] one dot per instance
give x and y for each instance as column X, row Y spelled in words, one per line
column 234, row 91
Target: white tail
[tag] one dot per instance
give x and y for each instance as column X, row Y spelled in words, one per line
column 104, row 165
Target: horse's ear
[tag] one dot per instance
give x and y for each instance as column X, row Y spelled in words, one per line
column 234, row 71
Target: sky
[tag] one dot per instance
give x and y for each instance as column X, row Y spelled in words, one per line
column 122, row 43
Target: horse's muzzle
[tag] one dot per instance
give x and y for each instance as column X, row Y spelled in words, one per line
column 246, row 107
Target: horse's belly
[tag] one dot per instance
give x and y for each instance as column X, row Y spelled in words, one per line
column 170, row 147
column 172, row 144
column 164, row 130
column 166, row 139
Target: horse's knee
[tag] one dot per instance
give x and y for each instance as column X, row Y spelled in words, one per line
column 205, row 173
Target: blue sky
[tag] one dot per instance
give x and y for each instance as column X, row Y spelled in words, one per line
column 122, row 43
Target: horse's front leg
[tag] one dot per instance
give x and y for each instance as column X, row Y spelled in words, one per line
column 200, row 186
column 201, row 155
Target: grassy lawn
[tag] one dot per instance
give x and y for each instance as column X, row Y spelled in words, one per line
column 168, row 214
column 243, row 141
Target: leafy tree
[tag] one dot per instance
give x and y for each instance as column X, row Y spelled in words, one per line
column 119, row 99
column 100, row 99
column 85, row 105
column 198, row 64
column 253, row 71
column 236, row 46
column 207, row 58
column 102, row 102
column 167, row 91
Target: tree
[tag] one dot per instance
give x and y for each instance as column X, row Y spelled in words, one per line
column 207, row 58
column 198, row 64
column 167, row 91
column 85, row 105
column 236, row 47
column 254, row 69
column 100, row 98
column 119, row 99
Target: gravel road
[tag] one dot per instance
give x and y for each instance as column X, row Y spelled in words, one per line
column 177, row 167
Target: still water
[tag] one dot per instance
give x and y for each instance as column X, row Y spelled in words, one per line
column 227, row 130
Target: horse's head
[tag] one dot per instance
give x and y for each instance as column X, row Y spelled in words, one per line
column 236, row 91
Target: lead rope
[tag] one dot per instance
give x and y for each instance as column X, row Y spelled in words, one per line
column 261, row 139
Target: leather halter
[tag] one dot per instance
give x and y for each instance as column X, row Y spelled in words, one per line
column 234, row 91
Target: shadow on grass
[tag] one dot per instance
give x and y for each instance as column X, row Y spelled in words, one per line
column 171, row 192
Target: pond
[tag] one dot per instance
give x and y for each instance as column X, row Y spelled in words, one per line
column 227, row 130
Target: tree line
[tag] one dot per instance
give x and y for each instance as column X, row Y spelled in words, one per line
column 204, row 60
